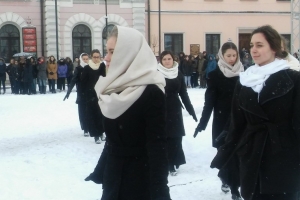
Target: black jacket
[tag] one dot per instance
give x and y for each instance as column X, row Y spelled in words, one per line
column 218, row 97
column 76, row 80
column 175, row 88
column 133, row 164
column 265, row 134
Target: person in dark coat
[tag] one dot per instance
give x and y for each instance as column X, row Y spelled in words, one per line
column 10, row 72
column 21, row 69
column 175, row 87
column 70, row 70
column 28, row 76
column 202, row 63
column 195, row 75
column 62, row 70
column 15, row 74
column 133, row 164
column 218, row 97
column 89, row 77
column 76, row 80
column 211, row 65
column 181, row 57
column 52, row 73
column 2, row 74
column 42, row 74
column 265, row 123
column 34, row 75
column 187, row 70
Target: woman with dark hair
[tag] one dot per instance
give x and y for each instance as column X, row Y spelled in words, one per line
column 34, row 75
column 2, row 75
column 187, row 70
column 76, row 80
column 218, row 97
column 89, row 77
column 62, row 70
column 52, row 73
column 175, row 87
column 265, row 123
column 133, row 164
column 42, row 74
column 10, row 72
column 28, row 76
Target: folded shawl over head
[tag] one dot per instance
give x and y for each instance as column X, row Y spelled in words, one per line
column 133, row 66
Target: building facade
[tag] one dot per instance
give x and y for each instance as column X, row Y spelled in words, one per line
column 30, row 25
column 204, row 25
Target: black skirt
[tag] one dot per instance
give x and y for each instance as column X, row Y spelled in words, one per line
column 175, row 152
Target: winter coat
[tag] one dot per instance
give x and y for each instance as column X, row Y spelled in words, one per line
column 42, row 68
column 34, row 70
column 265, row 134
column 28, row 75
column 218, row 97
column 201, row 65
column 76, row 80
column 62, row 71
column 9, row 70
column 187, row 68
column 3, row 70
column 52, row 70
column 133, row 164
column 174, row 121
column 89, row 78
column 211, row 65
column 194, row 66
column 20, row 71
column 70, row 69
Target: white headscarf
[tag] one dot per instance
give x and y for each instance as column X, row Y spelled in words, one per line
column 169, row 73
column 133, row 66
column 228, row 70
column 256, row 76
column 82, row 63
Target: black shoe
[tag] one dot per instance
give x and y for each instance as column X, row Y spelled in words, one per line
column 225, row 188
column 97, row 140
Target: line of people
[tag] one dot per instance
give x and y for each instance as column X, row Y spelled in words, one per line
column 26, row 73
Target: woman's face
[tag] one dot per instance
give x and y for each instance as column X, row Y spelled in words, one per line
column 230, row 56
column 85, row 59
column 76, row 59
column 12, row 61
column 110, row 47
column 261, row 51
column 96, row 57
column 16, row 62
column 51, row 58
column 167, row 61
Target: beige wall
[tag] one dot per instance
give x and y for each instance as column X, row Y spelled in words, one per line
column 195, row 25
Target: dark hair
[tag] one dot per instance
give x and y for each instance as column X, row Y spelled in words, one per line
column 164, row 53
column 273, row 38
column 229, row 45
column 52, row 62
column 95, row 51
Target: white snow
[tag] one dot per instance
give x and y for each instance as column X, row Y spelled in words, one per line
column 44, row 155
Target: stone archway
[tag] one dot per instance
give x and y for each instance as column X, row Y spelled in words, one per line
column 85, row 19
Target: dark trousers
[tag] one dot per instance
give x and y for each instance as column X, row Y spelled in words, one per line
column 16, row 87
column 12, row 84
column 69, row 78
column 202, row 81
column 61, row 83
column 27, row 87
column 51, row 85
column 2, row 82
column 194, row 79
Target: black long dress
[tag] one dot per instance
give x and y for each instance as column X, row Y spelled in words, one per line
column 174, row 127
column 93, row 115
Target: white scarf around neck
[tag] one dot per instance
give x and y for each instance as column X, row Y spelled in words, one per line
column 133, row 66
column 256, row 76
column 93, row 65
column 169, row 73
column 228, row 70
column 82, row 63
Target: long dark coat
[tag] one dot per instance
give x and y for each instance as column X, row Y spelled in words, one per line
column 93, row 115
column 175, row 88
column 218, row 97
column 265, row 134
column 133, row 164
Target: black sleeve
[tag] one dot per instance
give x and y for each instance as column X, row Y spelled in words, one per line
column 156, row 144
column 204, row 66
column 237, row 126
column 209, row 103
column 74, row 80
column 102, row 69
column 185, row 97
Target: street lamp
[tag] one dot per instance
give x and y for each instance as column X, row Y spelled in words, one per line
column 56, row 24
column 106, row 28
column 159, row 28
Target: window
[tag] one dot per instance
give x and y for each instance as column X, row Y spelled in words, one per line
column 83, row 1
column 104, row 37
column 212, row 43
column 174, row 43
column 82, row 40
column 9, row 41
column 110, row 2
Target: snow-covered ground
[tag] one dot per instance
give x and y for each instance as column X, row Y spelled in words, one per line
column 44, row 155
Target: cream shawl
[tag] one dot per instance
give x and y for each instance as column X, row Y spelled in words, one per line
column 133, row 66
column 169, row 73
column 228, row 70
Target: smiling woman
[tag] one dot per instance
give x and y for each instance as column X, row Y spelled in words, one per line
column 265, row 123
